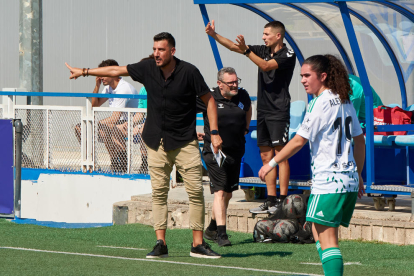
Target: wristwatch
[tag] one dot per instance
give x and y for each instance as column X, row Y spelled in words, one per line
column 247, row 52
column 214, row 132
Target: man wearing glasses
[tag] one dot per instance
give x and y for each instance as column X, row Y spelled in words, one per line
column 276, row 64
column 234, row 112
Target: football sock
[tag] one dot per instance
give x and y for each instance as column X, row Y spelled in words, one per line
column 318, row 247
column 221, row 229
column 282, row 197
column 332, row 262
column 271, row 198
column 213, row 225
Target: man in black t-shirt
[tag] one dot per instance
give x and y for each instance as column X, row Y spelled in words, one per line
column 276, row 64
column 234, row 113
column 172, row 87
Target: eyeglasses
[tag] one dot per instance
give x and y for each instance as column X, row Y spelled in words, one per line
column 232, row 83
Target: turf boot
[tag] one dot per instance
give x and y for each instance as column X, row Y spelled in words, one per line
column 223, row 240
column 262, row 209
column 276, row 208
column 203, row 251
column 210, row 235
column 160, row 250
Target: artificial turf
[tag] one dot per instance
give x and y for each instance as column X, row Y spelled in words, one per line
column 374, row 258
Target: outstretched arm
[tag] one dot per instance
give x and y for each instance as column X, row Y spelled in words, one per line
column 108, row 71
column 211, row 31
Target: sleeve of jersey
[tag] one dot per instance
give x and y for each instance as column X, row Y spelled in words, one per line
column 137, row 71
column 256, row 49
column 199, row 85
column 246, row 99
column 356, row 127
column 287, row 61
column 312, row 123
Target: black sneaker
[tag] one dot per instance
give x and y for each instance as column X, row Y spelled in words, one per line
column 223, row 240
column 210, row 235
column 203, row 251
column 275, row 209
column 262, row 209
column 159, row 251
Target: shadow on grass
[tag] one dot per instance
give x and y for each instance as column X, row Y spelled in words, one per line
column 266, row 254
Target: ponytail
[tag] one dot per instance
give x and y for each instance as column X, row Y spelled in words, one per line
column 337, row 76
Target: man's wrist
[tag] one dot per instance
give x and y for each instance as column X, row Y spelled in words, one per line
column 272, row 163
column 247, row 52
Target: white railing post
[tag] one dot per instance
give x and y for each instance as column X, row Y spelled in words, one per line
column 87, row 137
column 129, row 142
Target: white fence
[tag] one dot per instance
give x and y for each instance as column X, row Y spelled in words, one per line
column 80, row 138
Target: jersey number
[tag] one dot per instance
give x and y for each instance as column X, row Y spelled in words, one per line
column 338, row 126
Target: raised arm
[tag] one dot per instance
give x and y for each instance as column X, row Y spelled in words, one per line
column 211, row 31
column 108, row 71
column 98, row 101
column 263, row 64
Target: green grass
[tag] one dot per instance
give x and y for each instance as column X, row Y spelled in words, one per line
column 375, row 258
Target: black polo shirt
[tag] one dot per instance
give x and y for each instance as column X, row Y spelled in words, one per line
column 171, row 105
column 231, row 117
column 273, row 97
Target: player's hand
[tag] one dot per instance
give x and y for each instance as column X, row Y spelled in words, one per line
column 200, row 136
column 361, row 190
column 241, row 44
column 98, row 81
column 216, row 142
column 74, row 72
column 210, row 28
column 264, row 171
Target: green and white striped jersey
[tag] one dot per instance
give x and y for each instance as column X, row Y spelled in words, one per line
column 329, row 126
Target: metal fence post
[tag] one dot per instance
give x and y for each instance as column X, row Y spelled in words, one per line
column 18, row 128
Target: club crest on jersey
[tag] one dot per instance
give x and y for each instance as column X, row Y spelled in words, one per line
column 241, row 105
column 220, row 105
column 290, row 53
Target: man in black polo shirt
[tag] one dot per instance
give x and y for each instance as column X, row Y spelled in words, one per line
column 276, row 64
column 172, row 86
column 234, row 113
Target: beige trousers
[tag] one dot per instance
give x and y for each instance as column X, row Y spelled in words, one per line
column 188, row 162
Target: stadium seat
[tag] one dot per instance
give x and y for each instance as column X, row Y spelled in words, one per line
column 297, row 113
column 410, row 108
column 393, row 105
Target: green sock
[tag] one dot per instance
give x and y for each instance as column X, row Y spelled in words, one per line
column 318, row 247
column 332, row 262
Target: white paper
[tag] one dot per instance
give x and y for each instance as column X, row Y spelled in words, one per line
column 220, row 157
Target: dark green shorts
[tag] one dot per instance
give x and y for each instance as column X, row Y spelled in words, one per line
column 331, row 209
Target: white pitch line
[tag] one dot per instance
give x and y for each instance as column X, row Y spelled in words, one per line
column 349, row 263
column 152, row 260
column 129, row 248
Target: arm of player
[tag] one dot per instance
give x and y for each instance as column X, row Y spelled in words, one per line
column 288, row 151
column 98, row 101
column 108, row 71
column 212, row 119
column 211, row 31
column 359, row 156
column 248, row 118
column 263, row 64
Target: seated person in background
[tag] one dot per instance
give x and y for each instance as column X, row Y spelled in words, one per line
column 358, row 98
column 107, row 126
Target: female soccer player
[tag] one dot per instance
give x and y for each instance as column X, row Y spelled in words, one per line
column 329, row 125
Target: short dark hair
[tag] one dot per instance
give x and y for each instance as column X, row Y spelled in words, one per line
column 108, row 62
column 165, row 36
column 278, row 26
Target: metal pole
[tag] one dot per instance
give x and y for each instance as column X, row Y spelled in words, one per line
column 18, row 128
